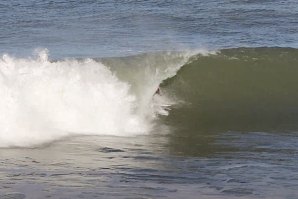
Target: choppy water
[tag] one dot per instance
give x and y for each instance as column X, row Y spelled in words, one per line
column 112, row 28
column 79, row 118
column 230, row 165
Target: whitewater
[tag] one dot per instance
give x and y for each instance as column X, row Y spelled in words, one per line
column 43, row 100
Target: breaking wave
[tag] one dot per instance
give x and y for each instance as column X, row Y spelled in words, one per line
column 43, row 100
column 242, row 89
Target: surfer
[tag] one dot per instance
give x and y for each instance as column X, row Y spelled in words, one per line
column 157, row 92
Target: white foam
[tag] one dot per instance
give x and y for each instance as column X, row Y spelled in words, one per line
column 42, row 101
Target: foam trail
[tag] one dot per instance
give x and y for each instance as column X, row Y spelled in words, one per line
column 42, row 101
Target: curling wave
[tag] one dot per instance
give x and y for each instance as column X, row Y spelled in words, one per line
column 242, row 89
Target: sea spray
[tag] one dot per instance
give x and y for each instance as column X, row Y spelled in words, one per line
column 43, row 100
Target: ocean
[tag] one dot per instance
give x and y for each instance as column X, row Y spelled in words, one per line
column 148, row 99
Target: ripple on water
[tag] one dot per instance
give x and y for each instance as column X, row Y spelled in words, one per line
column 13, row 196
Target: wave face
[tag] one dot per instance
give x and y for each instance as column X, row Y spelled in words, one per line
column 244, row 89
column 43, row 100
